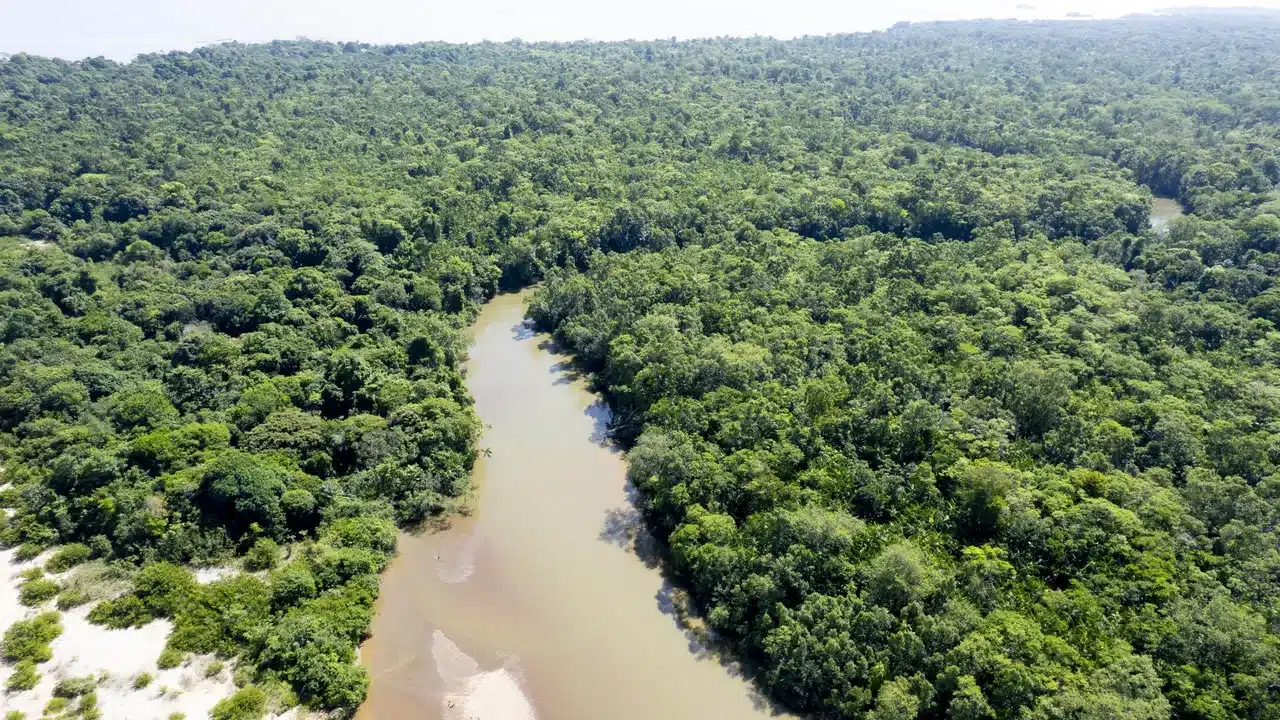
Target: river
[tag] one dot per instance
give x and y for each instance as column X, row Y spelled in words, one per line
column 1165, row 211
column 539, row 603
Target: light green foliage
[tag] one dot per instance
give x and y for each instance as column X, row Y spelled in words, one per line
column 213, row 668
column 71, row 598
column 895, row 702
column 88, row 708
column 37, row 591
column 170, row 658
column 24, row 677
column 248, row 703
column 264, row 555
column 901, row 574
column 74, row 686
column 142, row 680
column 165, row 588
column 29, row 639
column 222, row 616
column 28, row 551
column 68, row 556
column 122, row 612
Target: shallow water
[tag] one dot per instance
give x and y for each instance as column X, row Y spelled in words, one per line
column 543, row 582
column 1164, row 211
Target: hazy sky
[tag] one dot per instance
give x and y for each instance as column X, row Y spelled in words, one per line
column 121, row 29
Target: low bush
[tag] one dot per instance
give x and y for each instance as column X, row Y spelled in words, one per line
column 142, row 680
column 72, row 598
column 264, row 555
column 68, row 556
column 29, row 639
column 170, row 658
column 34, row 593
column 97, row 580
column 24, row 677
column 28, row 551
column 164, row 588
column 119, row 613
column 248, row 703
column 88, row 709
column 75, row 686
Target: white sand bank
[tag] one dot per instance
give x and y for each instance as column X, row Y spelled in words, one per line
column 473, row 694
column 493, row 695
column 212, row 574
column 118, row 656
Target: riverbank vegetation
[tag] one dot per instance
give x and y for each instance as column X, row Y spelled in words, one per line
column 933, row 423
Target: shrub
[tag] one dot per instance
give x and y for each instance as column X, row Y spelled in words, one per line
column 213, row 668
column 24, row 677
column 100, row 546
column 71, row 598
column 224, row 616
column 93, row 581
column 29, row 639
column 68, row 557
column 75, row 686
column 291, row 585
column 264, row 555
column 170, row 658
column 89, row 707
column 249, row 703
column 372, row 533
column 15, row 715
column 35, row 593
column 164, row 588
column 299, row 509
column 119, row 613
column 142, row 680
column 28, row 551
column 243, row 675
column 55, row 706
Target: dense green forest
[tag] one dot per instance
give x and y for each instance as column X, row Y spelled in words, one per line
column 932, row 422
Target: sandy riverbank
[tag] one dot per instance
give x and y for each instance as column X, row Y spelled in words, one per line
column 116, row 656
column 474, row 694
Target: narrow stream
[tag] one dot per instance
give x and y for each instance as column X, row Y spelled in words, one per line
column 539, row 604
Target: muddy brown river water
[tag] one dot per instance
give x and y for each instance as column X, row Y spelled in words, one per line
column 1164, row 211
column 538, row 603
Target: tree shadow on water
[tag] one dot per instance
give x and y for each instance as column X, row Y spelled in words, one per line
column 439, row 523
column 524, row 330
column 601, row 423
column 624, row 528
column 566, row 373
column 706, row 644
